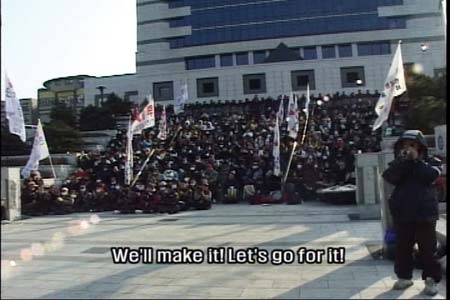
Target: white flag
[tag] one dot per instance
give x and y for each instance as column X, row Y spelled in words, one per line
column 162, row 135
column 145, row 119
column 129, row 155
column 39, row 151
column 280, row 113
column 308, row 100
column 14, row 112
column 292, row 118
column 181, row 99
column 276, row 150
column 393, row 86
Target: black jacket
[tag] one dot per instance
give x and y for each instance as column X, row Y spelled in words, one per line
column 413, row 198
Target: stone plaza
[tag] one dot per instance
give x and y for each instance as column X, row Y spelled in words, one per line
column 64, row 257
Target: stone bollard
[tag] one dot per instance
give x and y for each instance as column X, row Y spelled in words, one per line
column 10, row 193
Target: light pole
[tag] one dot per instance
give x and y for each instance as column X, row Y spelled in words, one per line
column 101, row 88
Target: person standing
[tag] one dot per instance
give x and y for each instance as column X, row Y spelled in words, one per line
column 414, row 209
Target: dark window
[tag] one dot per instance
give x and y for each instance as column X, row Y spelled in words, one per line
column 254, row 83
column 309, row 53
column 352, row 77
column 259, row 57
column 208, row 87
column 328, row 51
column 377, row 48
column 300, row 80
column 345, row 50
column 201, row 62
column 226, row 60
column 242, row 58
column 163, row 91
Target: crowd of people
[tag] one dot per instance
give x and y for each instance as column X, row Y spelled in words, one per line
column 217, row 153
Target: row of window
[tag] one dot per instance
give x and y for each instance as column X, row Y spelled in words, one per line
column 286, row 29
column 256, row 83
column 306, row 4
column 225, row 21
column 307, row 53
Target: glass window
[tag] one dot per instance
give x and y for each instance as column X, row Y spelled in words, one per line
column 254, row 83
column 301, row 78
column 328, row 51
column 309, row 53
column 352, row 77
column 377, row 48
column 162, row 91
column 226, row 60
column 201, row 62
column 208, row 87
column 259, row 57
column 345, row 50
column 242, row 58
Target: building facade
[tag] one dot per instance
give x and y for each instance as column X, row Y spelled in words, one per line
column 67, row 90
column 235, row 49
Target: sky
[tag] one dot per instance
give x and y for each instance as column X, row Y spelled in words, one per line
column 46, row 39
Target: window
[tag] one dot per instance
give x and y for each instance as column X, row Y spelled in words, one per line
column 309, row 53
column 259, row 57
column 226, row 60
column 300, row 80
column 351, row 75
column 345, row 50
column 163, row 91
column 242, row 58
column 254, row 83
column 207, row 87
column 130, row 96
column 201, row 62
column 377, row 48
column 328, row 51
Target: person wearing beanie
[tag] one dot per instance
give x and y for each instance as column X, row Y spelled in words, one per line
column 414, row 209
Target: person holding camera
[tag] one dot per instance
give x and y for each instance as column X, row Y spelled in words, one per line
column 414, row 209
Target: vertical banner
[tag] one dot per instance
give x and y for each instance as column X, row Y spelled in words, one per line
column 181, row 99
column 276, row 150
column 293, row 117
column 14, row 113
column 39, row 151
column 129, row 155
column 162, row 135
column 394, row 86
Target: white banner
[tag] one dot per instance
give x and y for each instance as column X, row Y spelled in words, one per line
column 394, row 86
column 145, row 119
column 308, row 100
column 14, row 112
column 162, row 135
column 292, row 118
column 280, row 113
column 129, row 156
column 39, row 151
column 181, row 99
column 276, row 150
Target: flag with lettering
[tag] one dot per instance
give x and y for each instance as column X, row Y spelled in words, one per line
column 394, row 86
column 162, row 135
column 39, row 151
column 181, row 99
column 14, row 113
column 276, row 150
column 145, row 119
column 292, row 118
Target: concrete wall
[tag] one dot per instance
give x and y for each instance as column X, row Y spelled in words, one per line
column 10, row 193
